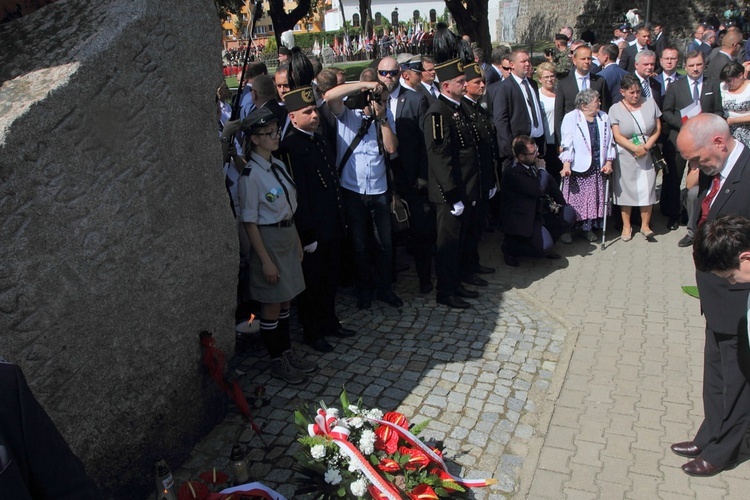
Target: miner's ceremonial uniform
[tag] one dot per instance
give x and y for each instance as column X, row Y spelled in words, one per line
column 453, row 182
column 319, row 219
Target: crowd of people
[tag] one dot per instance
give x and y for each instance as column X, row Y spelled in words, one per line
column 327, row 177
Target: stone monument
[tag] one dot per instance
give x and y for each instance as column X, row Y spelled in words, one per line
column 118, row 244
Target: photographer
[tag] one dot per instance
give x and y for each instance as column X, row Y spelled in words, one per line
column 365, row 134
column 535, row 214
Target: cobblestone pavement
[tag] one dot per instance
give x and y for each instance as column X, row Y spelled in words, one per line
column 567, row 379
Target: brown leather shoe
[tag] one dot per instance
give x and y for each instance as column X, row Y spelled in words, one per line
column 686, row 449
column 701, row 468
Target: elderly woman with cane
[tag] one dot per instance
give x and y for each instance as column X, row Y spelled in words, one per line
column 587, row 153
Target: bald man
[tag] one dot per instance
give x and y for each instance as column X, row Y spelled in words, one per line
column 730, row 47
column 705, row 141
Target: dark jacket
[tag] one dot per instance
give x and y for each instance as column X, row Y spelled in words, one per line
column 521, row 193
column 451, row 154
column 311, row 161
column 39, row 462
column 411, row 109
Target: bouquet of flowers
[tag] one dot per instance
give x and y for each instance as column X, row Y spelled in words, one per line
column 368, row 454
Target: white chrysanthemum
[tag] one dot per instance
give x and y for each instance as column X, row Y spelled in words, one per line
column 356, row 422
column 318, row 451
column 354, row 409
column 359, row 487
column 367, row 442
column 332, row 477
column 332, row 411
column 375, row 414
column 352, row 466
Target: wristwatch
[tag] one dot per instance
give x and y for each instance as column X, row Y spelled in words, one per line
column 383, row 120
column 226, row 140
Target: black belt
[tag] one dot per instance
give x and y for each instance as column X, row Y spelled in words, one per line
column 284, row 223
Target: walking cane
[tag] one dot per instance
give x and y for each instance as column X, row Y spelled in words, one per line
column 606, row 205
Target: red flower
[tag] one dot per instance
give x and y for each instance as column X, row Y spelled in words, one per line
column 445, row 477
column 386, row 439
column 417, row 459
column 375, row 494
column 423, row 492
column 437, row 451
column 396, row 418
column 389, row 465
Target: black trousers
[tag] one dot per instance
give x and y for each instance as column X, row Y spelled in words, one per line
column 547, row 230
column 316, row 305
column 669, row 203
column 422, row 232
column 726, row 396
column 474, row 226
column 451, row 238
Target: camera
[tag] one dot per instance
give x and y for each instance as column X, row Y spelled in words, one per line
column 549, row 52
column 361, row 99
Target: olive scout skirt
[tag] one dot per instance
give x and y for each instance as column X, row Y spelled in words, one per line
column 282, row 245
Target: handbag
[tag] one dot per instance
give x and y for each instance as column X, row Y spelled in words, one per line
column 399, row 214
column 657, row 154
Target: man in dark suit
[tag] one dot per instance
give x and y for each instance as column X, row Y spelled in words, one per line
column 730, row 46
column 642, row 42
column 429, row 88
column 535, row 214
column 568, row 87
column 611, row 72
column 670, row 56
column 679, row 97
column 409, row 165
column 515, row 106
column 645, row 61
column 660, row 38
column 724, row 189
column 453, row 184
column 495, row 71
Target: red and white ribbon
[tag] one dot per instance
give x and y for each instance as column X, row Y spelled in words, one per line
column 326, row 425
column 414, row 441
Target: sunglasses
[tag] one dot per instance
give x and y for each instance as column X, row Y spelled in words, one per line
column 388, row 72
column 506, row 69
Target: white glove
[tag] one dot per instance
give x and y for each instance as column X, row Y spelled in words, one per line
column 493, row 192
column 311, row 247
column 458, row 208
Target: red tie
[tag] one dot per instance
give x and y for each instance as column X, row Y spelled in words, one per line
column 706, row 203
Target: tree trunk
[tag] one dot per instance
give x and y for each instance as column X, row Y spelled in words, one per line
column 283, row 21
column 365, row 17
column 472, row 20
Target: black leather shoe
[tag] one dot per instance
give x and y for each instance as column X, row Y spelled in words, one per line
column 511, row 260
column 426, row 287
column 553, row 256
column 701, row 468
column 686, row 449
column 344, row 332
column 673, row 224
column 474, row 280
column 389, row 298
column 465, row 293
column 454, row 302
column 480, row 269
column 686, row 241
column 320, row 345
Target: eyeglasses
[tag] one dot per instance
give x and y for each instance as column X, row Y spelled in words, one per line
column 388, row 72
column 549, row 77
column 273, row 134
column 532, row 153
column 505, row 68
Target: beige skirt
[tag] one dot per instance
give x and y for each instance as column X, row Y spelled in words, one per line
column 282, row 245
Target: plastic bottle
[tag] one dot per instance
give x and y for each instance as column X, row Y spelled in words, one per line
column 164, row 481
column 636, row 141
